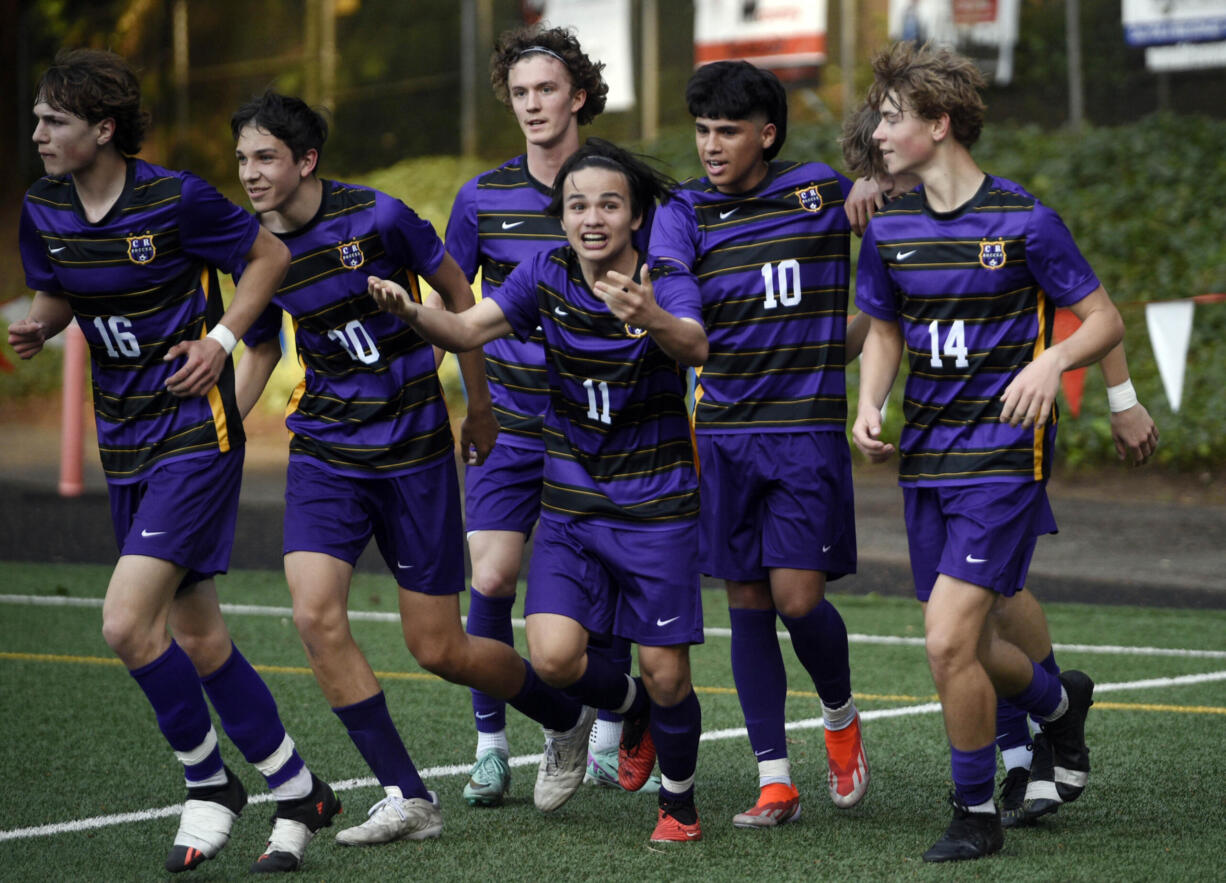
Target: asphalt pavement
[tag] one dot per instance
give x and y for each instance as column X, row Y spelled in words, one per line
column 1126, row 536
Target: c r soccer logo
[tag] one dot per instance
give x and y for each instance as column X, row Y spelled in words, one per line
column 810, row 199
column 141, row 249
column 992, row 253
column 351, row 254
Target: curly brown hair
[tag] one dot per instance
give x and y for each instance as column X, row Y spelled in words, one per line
column 95, row 85
column 584, row 73
column 861, row 154
column 932, row 81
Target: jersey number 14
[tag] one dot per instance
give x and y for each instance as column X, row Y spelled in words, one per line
column 955, row 343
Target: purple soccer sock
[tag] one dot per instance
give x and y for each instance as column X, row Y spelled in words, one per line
column 1012, row 731
column 820, row 641
column 173, row 689
column 490, row 618
column 676, row 730
column 974, row 773
column 761, row 680
column 1041, row 696
column 548, row 706
column 617, row 653
column 603, row 685
column 249, row 715
column 372, row 731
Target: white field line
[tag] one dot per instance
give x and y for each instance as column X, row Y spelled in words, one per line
column 381, row 616
column 438, row 772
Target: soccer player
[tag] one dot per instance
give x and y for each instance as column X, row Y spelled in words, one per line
column 497, row 221
column 130, row 250
column 966, row 273
column 764, row 244
column 615, row 550
column 1021, row 618
column 371, row 439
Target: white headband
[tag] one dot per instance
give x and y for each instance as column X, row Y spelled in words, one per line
column 546, row 50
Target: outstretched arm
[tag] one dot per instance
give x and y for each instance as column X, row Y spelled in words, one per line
column 252, row 372
column 635, row 304
column 479, row 428
column 454, row 332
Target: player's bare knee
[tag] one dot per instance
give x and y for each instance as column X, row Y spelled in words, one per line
column 493, row 581
column 554, row 668
column 134, row 644
column 667, row 689
column 796, row 606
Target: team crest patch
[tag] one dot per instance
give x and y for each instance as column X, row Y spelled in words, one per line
column 992, row 253
column 141, row 249
column 351, row 254
column 810, row 199
column 634, row 330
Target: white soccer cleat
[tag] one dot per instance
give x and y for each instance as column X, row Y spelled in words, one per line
column 394, row 818
column 563, row 763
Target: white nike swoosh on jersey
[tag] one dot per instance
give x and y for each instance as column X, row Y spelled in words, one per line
column 488, row 714
column 827, row 548
column 660, row 623
column 404, row 566
column 558, row 311
column 57, row 250
column 152, row 533
column 510, row 225
column 727, row 214
column 903, row 255
column 971, row 559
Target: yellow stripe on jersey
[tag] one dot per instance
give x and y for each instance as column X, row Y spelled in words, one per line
column 216, row 405
column 1040, row 344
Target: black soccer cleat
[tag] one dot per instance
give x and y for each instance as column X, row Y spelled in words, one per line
column 294, row 824
column 970, row 835
column 1061, row 767
column 1013, row 797
column 204, row 828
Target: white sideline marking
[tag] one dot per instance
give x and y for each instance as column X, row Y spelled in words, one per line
column 380, row 616
column 529, row 759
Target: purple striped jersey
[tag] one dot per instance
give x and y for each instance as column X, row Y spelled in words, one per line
column 139, row 281
column 369, row 401
column 498, row 219
column 772, row 267
column 617, row 436
column 974, row 291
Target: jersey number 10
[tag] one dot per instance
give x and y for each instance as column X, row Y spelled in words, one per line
column 788, row 273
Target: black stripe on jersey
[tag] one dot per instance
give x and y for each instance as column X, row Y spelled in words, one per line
column 741, row 311
column 527, row 378
column 753, row 207
column 415, row 393
column 138, row 302
column 738, row 256
column 1015, row 461
column 913, row 255
column 961, row 412
column 645, row 411
column 1004, row 358
column 325, row 262
column 338, row 363
column 515, row 423
column 800, row 359
column 403, row 454
column 580, row 502
column 124, row 462
column 801, row 412
column 971, row 307
column 613, row 466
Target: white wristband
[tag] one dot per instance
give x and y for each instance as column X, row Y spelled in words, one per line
column 1121, row 397
column 228, row 341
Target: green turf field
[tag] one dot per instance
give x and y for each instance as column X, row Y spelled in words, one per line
column 91, row 790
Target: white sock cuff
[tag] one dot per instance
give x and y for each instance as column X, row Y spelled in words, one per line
column 1017, row 757
column 772, row 771
column 493, row 741
column 201, row 751
column 279, row 758
column 632, row 691
column 840, row 718
column 606, row 736
column 676, row 786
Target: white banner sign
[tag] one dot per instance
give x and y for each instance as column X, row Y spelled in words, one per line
column 1154, row 22
column 769, row 33
column 603, row 28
